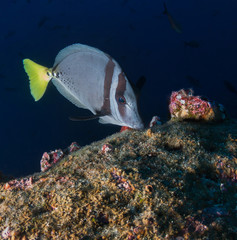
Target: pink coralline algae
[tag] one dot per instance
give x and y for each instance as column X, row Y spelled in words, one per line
column 106, row 148
column 155, row 121
column 183, row 105
column 227, row 172
column 193, row 225
column 73, row 147
column 6, row 233
column 23, row 184
column 49, row 159
column 121, row 182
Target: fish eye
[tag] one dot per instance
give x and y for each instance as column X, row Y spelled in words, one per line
column 122, row 100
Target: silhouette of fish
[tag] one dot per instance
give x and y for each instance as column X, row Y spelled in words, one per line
column 42, row 22
column 9, row 34
column 2, row 75
column 173, row 23
column 230, row 87
column 124, row 2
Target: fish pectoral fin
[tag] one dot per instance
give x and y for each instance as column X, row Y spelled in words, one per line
column 104, row 121
column 85, row 118
column 140, row 83
column 39, row 78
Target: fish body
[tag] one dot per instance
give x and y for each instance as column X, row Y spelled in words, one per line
column 173, row 22
column 90, row 79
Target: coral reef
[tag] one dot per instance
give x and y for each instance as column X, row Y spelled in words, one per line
column 183, row 105
column 172, row 181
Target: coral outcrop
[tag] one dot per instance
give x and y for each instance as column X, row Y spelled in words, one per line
column 184, row 105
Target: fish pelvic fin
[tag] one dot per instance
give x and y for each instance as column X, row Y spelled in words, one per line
column 86, row 118
column 39, row 77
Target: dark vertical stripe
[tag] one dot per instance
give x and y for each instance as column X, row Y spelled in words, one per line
column 109, row 71
column 120, row 90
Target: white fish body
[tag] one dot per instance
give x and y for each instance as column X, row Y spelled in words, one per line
column 91, row 79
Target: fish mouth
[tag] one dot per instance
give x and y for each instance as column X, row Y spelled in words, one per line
column 139, row 126
column 136, row 123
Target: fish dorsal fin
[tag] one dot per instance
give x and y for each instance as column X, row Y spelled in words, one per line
column 74, row 48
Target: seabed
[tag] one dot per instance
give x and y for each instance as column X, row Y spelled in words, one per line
column 173, row 181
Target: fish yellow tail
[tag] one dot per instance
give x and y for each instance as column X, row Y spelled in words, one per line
column 39, row 78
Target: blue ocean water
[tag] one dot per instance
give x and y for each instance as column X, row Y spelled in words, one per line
column 134, row 32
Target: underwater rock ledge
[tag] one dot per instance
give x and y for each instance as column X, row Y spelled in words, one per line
column 173, row 181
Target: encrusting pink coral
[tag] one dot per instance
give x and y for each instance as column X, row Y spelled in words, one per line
column 106, row 148
column 23, row 184
column 52, row 157
column 183, row 105
column 49, row 159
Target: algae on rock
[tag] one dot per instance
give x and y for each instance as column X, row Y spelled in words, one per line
column 174, row 180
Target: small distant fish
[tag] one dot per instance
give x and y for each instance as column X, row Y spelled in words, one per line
column 131, row 27
column 2, row 76
column 9, row 34
column 90, row 79
column 132, row 10
column 124, row 2
column 193, row 81
column 230, row 87
column 42, row 22
column 173, row 23
column 192, row 44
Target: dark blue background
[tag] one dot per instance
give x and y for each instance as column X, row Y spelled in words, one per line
column 136, row 34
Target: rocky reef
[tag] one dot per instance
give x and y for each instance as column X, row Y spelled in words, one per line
column 172, row 181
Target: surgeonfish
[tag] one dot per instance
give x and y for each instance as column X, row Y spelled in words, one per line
column 172, row 21
column 90, row 79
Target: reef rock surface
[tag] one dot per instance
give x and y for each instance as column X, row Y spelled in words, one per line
column 173, row 181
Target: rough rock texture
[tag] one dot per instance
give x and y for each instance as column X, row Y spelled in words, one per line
column 174, row 181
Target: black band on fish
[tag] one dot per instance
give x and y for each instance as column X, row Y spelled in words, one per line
column 109, row 71
column 120, row 90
